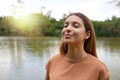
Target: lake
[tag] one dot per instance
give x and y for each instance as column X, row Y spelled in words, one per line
column 24, row 58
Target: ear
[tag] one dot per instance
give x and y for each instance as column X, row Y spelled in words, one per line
column 87, row 35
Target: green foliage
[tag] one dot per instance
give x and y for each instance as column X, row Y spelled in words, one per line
column 108, row 28
column 37, row 24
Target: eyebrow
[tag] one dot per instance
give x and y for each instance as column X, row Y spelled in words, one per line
column 75, row 22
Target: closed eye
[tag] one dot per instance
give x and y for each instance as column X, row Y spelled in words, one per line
column 76, row 25
column 66, row 25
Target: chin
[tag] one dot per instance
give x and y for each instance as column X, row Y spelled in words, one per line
column 69, row 42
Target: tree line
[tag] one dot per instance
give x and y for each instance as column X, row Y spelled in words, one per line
column 37, row 24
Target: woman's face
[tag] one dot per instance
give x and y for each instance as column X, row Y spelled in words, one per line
column 74, row 30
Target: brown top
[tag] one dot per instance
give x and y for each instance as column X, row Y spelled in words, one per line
column 89, row 68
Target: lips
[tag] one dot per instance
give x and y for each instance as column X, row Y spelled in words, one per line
column 68, row 35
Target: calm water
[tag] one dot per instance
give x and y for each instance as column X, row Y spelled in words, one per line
column 24, row 58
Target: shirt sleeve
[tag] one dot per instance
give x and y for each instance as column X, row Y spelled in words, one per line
column 47, row 70
column 104, row 74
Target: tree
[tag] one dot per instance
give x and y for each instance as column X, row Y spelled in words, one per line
column 117, row 2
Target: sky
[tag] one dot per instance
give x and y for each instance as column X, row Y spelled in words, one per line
column 94, row 9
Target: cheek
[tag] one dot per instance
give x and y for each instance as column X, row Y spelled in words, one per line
column 80, row 33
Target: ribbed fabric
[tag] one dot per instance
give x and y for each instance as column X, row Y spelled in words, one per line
column 89, row 68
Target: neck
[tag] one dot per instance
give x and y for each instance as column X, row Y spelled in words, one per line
column 76, row 52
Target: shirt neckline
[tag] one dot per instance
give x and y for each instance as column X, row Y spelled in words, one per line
column 74, row 61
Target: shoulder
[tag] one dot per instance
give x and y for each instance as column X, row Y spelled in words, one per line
column 100, row 67
column 96, row 62
column 54, row 59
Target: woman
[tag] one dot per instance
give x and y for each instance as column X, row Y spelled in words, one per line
column 77, row 59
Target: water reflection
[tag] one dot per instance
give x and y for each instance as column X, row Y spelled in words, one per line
column 25, row 58
column 4, row 58
column 111, row 43
column 108, row 50
column 16, row 52
column 37, row 46
column 10, row 51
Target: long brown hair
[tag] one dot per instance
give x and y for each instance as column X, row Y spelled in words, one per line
column 90, row 43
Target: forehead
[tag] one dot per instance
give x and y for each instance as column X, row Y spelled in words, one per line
column 74, row 18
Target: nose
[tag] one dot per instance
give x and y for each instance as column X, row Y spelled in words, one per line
column 69, row 28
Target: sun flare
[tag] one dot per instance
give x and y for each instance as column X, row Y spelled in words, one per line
column 19, row 16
